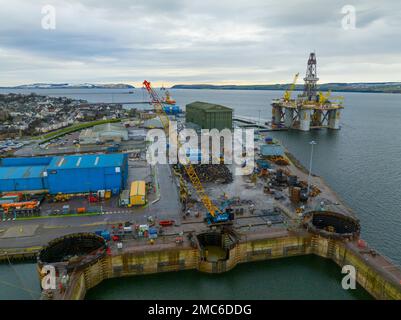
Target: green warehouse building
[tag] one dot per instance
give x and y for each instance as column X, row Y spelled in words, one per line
column 209, row 115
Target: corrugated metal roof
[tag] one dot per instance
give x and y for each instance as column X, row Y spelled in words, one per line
column 28, row 172
column 24, row 162
column 112, row 129
column 87, row 161
column 208, row 107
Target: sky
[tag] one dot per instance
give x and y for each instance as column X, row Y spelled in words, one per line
column 198, row 41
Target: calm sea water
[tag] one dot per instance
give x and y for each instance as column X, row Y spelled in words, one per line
column 361, row 162
column 292, row 278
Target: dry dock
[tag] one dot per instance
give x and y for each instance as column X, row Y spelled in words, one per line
column 374, row 272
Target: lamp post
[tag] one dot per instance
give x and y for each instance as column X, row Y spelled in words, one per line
column 312, row 143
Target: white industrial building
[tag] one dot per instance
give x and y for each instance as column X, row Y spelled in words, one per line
column 108, row 132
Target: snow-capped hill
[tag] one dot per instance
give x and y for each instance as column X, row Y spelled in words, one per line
column 74, row 86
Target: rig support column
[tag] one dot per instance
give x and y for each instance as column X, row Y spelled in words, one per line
column 304, row 119
column 334, row 119
column 289, row 116
column 276, row 114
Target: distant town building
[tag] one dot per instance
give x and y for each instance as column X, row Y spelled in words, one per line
column 153, row 124
column 144, row 115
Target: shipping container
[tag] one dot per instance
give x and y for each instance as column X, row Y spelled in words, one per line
column 172, row 109
column 274, row 149
column 105, row 235
column 138, row 193
column 263, row 164
column 107, row 195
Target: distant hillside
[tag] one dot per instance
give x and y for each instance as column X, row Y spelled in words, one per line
column 385, row 87
column 72, row 86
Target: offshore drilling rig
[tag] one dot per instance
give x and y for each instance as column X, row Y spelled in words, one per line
column 309, row 110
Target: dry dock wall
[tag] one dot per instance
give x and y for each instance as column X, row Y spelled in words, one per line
column 258, row 250
column 177, row 259
column 372, row 272
column 91, row 276
column 154, row 261
column 378, row 284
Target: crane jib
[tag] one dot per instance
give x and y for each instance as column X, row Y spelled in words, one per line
column 189, row 169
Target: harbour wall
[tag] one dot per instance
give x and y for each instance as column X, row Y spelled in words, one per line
column 380, row 283
column 19, row 255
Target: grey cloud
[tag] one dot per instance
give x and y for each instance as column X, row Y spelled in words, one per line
column 197, row 41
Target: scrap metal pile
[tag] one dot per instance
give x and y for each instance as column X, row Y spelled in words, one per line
column 314, row 190
column 218, row 173
column 279, row 160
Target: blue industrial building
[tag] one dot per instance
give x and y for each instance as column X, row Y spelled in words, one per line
column 20, row 174
column 65, row 174
column 79, row 173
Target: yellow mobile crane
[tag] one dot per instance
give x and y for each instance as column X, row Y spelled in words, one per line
column 215, row 215
column 287, row 94
column 328, row 98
